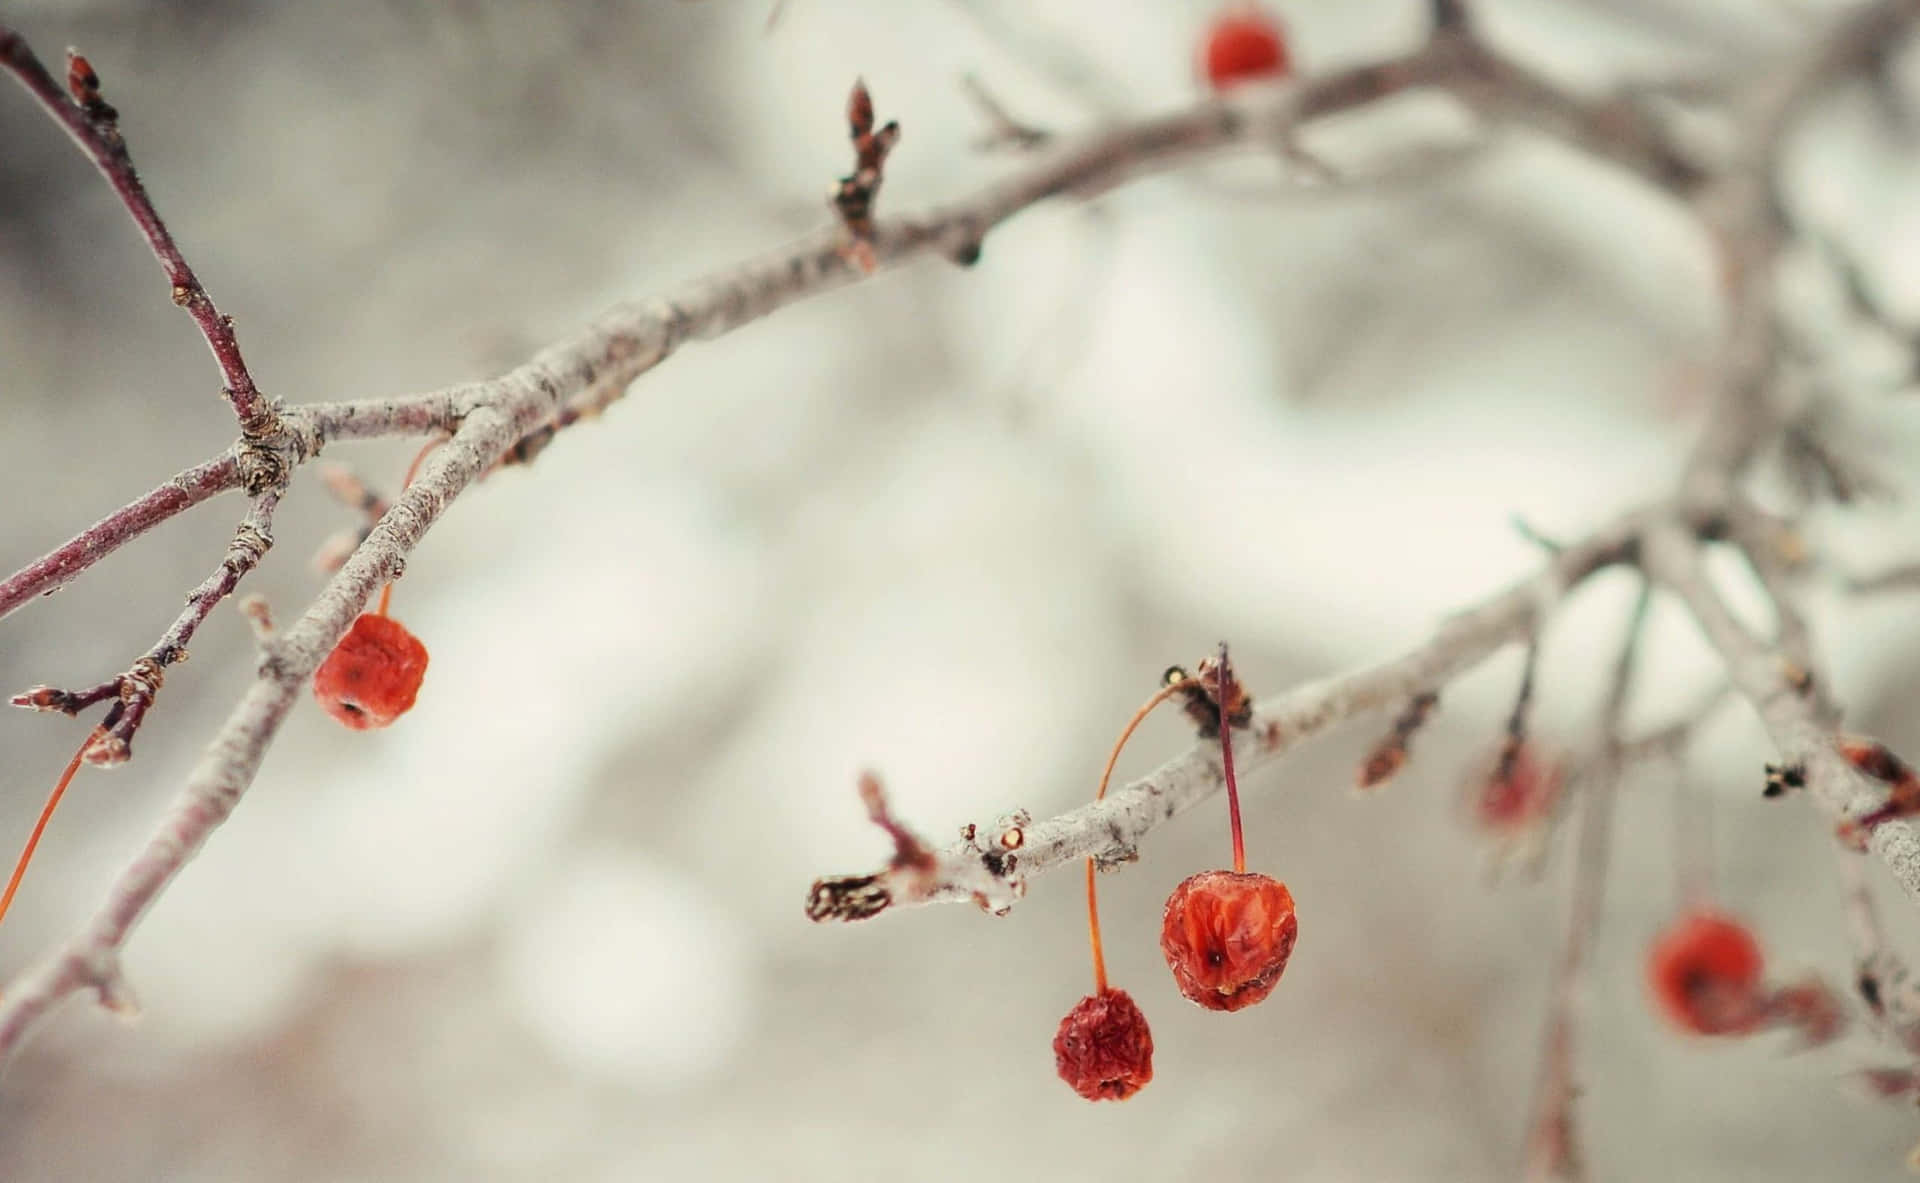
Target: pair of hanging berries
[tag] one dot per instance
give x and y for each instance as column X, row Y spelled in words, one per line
column 1226, row 935
column 1244, row 44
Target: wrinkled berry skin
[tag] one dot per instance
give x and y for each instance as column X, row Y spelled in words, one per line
column 1242, row 45
column 373, row 675
column 1705, row 974
column 1103, row 1048
column 1227, row 936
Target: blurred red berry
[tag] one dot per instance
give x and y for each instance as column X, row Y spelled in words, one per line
column 1705, row 973
column 1243, row 44
column 373, row 675
column 1227, row 936
column 1519, row 792
column 1103, row 1048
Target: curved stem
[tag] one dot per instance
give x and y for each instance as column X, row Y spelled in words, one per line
column 1161, row 695
column 46, row 814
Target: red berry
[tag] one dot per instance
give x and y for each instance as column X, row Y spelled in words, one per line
column 1103, row 1048
column 1705, row 973
column 373, row 675
column 1227, row 936
column 1244, row 44
column 1519, row 792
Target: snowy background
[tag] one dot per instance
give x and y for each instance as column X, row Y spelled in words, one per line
column 950, row 525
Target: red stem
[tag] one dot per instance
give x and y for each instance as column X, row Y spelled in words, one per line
column 1226, row 766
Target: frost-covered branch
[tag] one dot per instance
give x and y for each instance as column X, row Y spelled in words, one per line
column 504, row 419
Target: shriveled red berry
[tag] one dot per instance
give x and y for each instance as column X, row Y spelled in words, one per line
column 1227, row 936
column 373, row 675
column 1705, row 973
column 1243, row 44
column 1518, row 793
column 1103, row 1048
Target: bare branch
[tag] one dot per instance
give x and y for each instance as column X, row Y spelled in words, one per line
column 1787, row 696
column 136, row 689
column 95, row 127
column 59, row 567
column 1552, row 1147
column 90, row 960
column 507, row 417
column 1109, row 830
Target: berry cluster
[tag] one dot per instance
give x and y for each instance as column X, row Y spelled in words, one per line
column 1226, row 935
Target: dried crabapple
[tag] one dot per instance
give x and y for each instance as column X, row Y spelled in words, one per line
column 1104, row 1049
column 1227, row 936
column 373, row 675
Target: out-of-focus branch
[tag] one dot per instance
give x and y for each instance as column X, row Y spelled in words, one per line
column 1894, row 579
column 1553, row 1146
column 1788, row 696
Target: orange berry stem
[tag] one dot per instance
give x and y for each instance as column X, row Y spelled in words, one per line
column 413, row 470
column 1226, row 767
column 46, row 814
column 1106, row 774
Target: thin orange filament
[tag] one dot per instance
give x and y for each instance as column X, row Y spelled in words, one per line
column 1106, row 775
column 46, row 814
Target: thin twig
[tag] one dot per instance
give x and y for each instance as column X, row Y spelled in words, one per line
column 1109, row 830
column 94, row 126
column 63, row 564
column 1552, row 1141
column 91, row 959
column 1785, row 694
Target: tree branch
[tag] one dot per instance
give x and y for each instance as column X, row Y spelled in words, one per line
column 91, row 959
column 1787, row 695
column 1552, row 1146
column 59, row 567
column 136, row 689
column 489, row 420
column 94, row 126
column 1110, row 830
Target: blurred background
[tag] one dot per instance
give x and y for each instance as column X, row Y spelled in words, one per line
column 950, row 525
